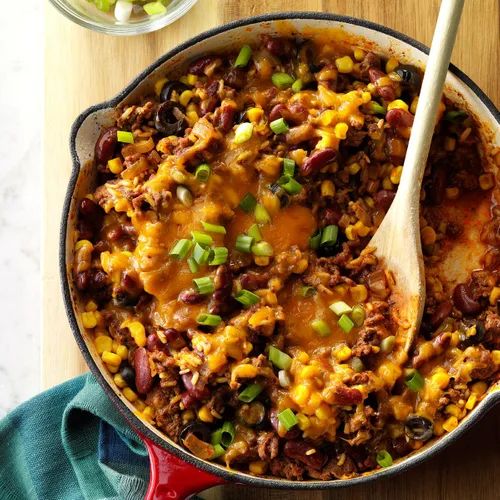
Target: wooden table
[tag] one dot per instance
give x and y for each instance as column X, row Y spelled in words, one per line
column 83, row 68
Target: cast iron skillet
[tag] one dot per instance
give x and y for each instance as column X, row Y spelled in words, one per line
column 175, row 473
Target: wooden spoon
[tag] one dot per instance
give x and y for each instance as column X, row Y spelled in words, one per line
column 397, row 240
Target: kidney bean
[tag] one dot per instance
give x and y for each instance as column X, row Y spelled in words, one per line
column 383, row 199
column 221, row 302
column 317, row 161
column 226, row 118
column 464, row 302
column 384, row 91
column 86, row 230
column 153, row 343
column 253, row 281
column 347, row 395
column 399, row 118
column 172, row 334
column 277, row 112
column 83, row 279
column 105, row 145
column 191, row 297
column 295, row 113
column 187, row 400
column 235, row 77
column 143, row 378
column 279, row 47
column 198, row 66
column 198, row 391
column 90, row 209
column 297, row 450
column 441, row 312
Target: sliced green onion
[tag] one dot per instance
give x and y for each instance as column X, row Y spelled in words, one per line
column 202, row 172
column 261, row 214
column 321, row 327
column 219, row 256
column 250, row 392
column 243, row 243
column 279, row 358
column 282, row 80
column 247, row 298
column 376, row 108
column 340, row 308
column 243, row 133
column 227, row 434
column 200, row 254
column 193, row 265
column 213, row 228
column 384, row 458
column 288, row 167
column 154, row 8
column 124, row 136
column 254, row 232
column 243, row 57
column 202, row 238
column 248, row 202
column 357, row 365
column 287, row 419
column 454, row 116
column 329, row 235
column 215, row 437
column 204, row 285
column 181, row 248
column 315, row 240
column 358, row 315
column 279, row 126
column 387, row 344
column 218, row 451
column 297, row 85
column 345, row 323
column 414, row 381
column 307, row 291
column 262, row 249
column 208, row 319
column 289, row 184
column 103, row 5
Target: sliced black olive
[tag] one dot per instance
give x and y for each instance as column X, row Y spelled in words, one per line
column 419, row 428
column 468, row 337
column 409, row 75
column 170, row 119
column 276, row 189
column 240, row 117
column 200, row 430
column 128, row 374
column 169, row 87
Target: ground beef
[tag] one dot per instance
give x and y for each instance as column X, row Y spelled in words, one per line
column 287, row 468
column 367, row 339
column 341, row 467
column 267, row 446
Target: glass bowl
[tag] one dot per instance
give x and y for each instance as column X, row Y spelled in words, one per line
column 86, row 14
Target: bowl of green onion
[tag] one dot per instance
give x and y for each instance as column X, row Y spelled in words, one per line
column 123, row 17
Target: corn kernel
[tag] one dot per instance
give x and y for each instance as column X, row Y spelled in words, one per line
column 486, row 181
column 350, row 233
column 185, row 97
column 255, row 114
column 450, row 424
column 119, row 381
column 441, row 379
column 327, row 188
column 328, row 117
column 258, row 467
column 496, row 356
column 140, row 405
column 438, row 428
column 303, row 421
column 204, row 414
column 361, row 229
column 300, row 393
column 112, row 368
column 395, row 175
column 452, row 193
column 344, row 64
column 354, row 168
column 371, row 88
column 428, row 235
column 103, row 343
column 479, row 388
column 244, row 371
column 149, row 412
column 359, row 54
column 471, row 402
column 110, row 358
column 91, row 306
column 387, row 184
column 89, row 319
column 84, row 243
column 115, row 166
column 453, row 410
column 191, row 79
column 309, row 372
column 130, row 394
column 359, row 293
column 115, row 345
column 343, row 353
column 366, row 97
column 391, row 64
column 315, row 400
column 414, row 104
column 494, row 295
column 159, row 84
column 341, row 290
column 122, row 351
column 261, row 260
column 192, row 117
column 137, row 331
column 323, row 412
column 302, row 356
column 340, row 130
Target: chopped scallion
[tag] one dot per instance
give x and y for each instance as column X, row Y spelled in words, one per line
column 124, row 136
column 345, row 323
column 376, row 108
column 219, row 256
column 247, row 298
column 288, row 167
column 287, row 419
column 307, row 291
column 321, row 327
column 262, row 249
column 193, row 265
column 216, row 436
column 202, row 238
column 279, row 358
column 297, row 85
column 218, row 451
column 282, row 80
column 202, row 172
column 200, row 254
column 289, row 184
column 243, row 57
column 250, row 392
column 254, row 232
column 340, row 307
column 315, row 240
column 204, row 285
column 384, row 458
column 243, row 133
column 181, row 248
column 414, row 381
column 261, row 214
column 358, row 314
column 243, row 243
column 248, row 202
column 213, row 228
column 208, row 319
column 154, row 8
column 279, row 126
column 329, row 235
column 227, row 434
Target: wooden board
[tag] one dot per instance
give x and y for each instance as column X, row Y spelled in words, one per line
column 83, row 68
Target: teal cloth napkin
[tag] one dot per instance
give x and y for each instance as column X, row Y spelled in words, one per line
column 70, row 442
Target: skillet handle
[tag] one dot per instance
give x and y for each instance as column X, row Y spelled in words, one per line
column 172, row 478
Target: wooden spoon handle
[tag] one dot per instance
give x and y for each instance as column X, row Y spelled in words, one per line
column 429, row 99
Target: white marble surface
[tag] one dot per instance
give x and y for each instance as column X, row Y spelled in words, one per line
column 21, row 108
